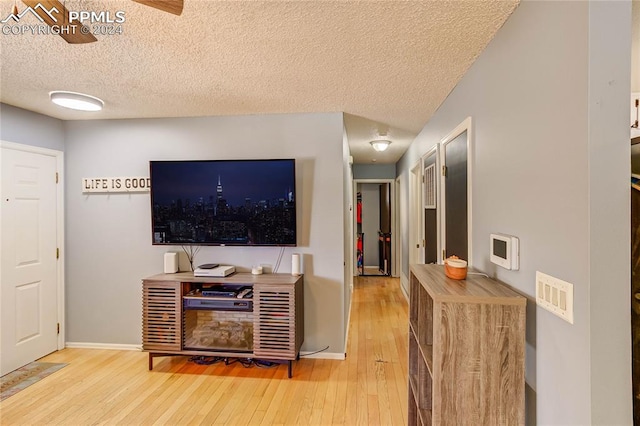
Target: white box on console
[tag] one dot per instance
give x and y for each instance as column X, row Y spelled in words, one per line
column 220, row 271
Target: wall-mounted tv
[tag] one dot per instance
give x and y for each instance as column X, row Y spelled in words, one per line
column 224, row 202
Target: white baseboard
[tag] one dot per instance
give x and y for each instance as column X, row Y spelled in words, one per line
column 323, row 355
column 404, row 285
column 346, row 330
column 114, row 346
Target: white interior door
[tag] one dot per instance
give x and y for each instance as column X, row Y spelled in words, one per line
column 28, row 269
column 432, row 208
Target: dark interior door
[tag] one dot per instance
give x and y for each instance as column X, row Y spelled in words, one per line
column 456, row 226
column 385, row 209
column 384, row 233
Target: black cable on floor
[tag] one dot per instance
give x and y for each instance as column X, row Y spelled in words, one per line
column 316, row 352
column 245, row 362
column 206, row 360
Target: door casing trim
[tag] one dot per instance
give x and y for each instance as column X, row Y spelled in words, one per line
column 466, row 125
column 394, row 250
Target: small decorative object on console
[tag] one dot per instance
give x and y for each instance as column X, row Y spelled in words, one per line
column 170, row 263
column 295, row 264
column 455, row 268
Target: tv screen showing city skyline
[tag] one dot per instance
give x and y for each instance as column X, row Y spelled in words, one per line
column 223, row 202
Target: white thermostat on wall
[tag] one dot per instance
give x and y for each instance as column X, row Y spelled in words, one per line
column 505, row 251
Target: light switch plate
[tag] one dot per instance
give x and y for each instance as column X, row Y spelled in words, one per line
column 555, row 295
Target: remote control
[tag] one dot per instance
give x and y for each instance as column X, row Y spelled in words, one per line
column 244, row 293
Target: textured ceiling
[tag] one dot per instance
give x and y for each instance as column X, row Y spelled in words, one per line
column 387, row 64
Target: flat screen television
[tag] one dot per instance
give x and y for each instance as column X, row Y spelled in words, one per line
column 224, row 202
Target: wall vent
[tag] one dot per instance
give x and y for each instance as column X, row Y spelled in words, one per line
column 430, row 187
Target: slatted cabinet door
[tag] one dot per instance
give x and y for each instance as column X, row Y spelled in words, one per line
column 274, row 331
column 161, row 322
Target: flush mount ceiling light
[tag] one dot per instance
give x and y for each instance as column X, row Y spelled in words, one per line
column 78, row 101
column 380, row 144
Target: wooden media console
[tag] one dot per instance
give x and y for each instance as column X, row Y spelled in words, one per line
column 271, row 328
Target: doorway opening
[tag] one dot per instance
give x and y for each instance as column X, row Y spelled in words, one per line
column 374, row 218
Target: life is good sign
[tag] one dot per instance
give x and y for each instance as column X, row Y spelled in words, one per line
column 116, row 184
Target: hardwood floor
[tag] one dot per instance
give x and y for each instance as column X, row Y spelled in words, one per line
column 109, row 387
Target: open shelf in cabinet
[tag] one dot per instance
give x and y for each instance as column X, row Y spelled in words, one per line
column 420, row 383
column 420, row 353
column 416, row 415
column 414, row 359
column 421, row 319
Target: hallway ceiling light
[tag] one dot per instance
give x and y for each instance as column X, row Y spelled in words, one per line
column 78, row 101
column 380, row 144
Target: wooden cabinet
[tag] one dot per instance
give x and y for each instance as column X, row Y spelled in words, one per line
column 277, row 317
column 466, row 350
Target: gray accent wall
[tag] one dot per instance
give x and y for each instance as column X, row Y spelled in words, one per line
column 30, row 128
column 609, row 212
column 549, row 102
column 374, row 171
column 109, row 248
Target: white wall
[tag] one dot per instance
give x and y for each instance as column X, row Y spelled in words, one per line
column 551, row 166
column 109, row 246
column 30, row 128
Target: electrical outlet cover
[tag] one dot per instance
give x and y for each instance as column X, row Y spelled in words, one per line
column 555, row 295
